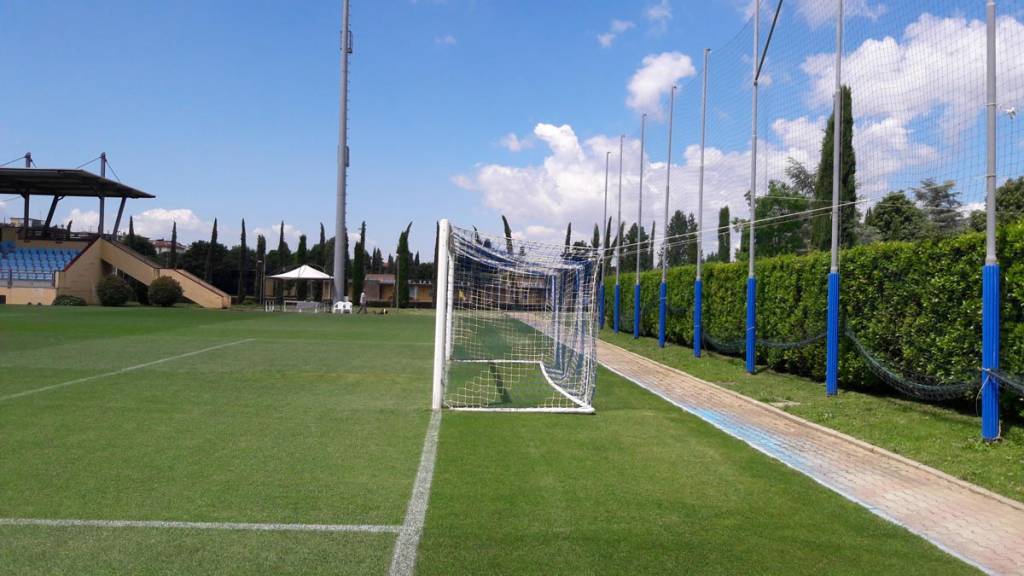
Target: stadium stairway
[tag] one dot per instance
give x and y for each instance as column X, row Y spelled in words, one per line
column 138, row 267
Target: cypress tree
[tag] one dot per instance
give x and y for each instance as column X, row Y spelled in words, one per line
column 359, row 264
column 208, row 271
column 174, row 245
column 724, row 236
column 821, row 228
column 261, row 256
column 242, row 253
column 404, row 262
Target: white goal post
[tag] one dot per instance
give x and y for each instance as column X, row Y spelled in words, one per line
column 516, row 324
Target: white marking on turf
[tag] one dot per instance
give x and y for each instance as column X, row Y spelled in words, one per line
column 259, row 527
column 403, row 561
column 122, row 370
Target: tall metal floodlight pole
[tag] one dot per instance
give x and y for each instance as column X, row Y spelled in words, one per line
column 618, row 246
column 340, row 231
column 604, row 255
column 751, row 279
column 698, row 284
column 663, row 289
column 990, row 273
column 832, row 329
column 639, row 232
column 103, row 174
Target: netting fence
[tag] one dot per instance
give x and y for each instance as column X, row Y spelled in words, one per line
column 912, row 168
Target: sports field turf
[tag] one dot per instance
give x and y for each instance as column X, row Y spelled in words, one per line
column 259, row 418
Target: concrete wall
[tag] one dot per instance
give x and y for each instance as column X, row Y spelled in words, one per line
column 82, row 275
column 20, row 295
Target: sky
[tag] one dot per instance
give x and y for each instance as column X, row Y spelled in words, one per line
column 470, row 109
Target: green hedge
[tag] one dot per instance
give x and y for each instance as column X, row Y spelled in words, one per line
column 916, row 305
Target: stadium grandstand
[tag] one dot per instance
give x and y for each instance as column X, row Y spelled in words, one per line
column 40, row 261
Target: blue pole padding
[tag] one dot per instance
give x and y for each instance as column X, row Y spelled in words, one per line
column 600, row 307
column 697, row 335
column 636, row 310
column 751, row 324
column 662, row 311
column 989, row 351
column 832, row 344
column 617, row 306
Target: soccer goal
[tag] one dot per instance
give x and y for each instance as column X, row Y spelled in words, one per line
column 516, row 324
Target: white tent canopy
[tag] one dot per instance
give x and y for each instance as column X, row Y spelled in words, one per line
column 303, row 272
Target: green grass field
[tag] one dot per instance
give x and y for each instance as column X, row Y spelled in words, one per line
column 944, row 436
column 300, row 419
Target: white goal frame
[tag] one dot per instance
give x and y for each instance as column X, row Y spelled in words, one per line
column 443, row 343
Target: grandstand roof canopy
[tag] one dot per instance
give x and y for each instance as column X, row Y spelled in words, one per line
column 63, row 182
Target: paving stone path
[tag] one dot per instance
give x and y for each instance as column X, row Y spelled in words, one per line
column 967, row 521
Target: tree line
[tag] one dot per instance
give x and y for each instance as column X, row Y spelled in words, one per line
column 236, row 270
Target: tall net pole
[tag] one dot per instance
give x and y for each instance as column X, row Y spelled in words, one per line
column 340, row 232
column 990, row 273
column 832, row 325
column 618, row 245
column 698, row 287
column 663, row 288
column 751, row 355
column 604, row 255
column 639, row 232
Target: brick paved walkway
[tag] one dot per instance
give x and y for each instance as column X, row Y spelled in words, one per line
column 973, row 524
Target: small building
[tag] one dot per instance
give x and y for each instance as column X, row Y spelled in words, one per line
column 164, row 246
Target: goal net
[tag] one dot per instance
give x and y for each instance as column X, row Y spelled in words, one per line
column 516, row 324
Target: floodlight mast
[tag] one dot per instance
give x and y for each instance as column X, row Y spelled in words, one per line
column 991, row 278
column 639, row 231
column 698, row 285
column 751, row 351
column 663, row 288
column 832, row 321
column 618, row 245
column 340, row 230
column 603, row 248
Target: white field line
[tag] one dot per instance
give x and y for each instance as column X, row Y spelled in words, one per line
column 258, row 527
column 403, row 561
column 122, row 370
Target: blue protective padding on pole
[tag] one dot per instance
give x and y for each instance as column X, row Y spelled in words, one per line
column 636, row 310
column 662, row 310
column 989, row 351
column 600, row 307
column 616, row 305
column 751, row 324
column 698, row 298
column 832, row 337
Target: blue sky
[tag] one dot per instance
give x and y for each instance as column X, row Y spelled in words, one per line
column 229, row 109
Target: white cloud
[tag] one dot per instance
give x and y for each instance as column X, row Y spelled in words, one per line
column 83, row 220
column 446, row 40
column 616, row 28
column 462, row 181
column 936, row 65
column 291, row 236
column 514, row 143
column 655, row 77
column 157, row 223
column 658, row 15
column 817, row 13
column 928, row 85
column 540, row 199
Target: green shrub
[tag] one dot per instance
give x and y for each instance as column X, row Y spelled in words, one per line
column 113, row 291
column 68, row 300
column 164, row 291
column 917, row 305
